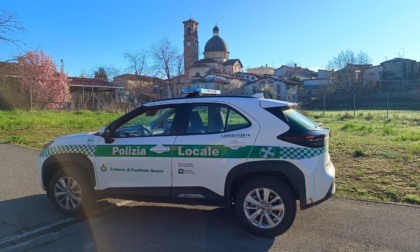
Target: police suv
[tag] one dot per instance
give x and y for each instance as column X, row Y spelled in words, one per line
column 258, row 155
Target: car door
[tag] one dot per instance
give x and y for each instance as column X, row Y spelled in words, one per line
column 138, row 152
column 217, row 137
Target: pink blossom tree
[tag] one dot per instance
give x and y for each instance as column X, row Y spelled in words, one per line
column 47, row 88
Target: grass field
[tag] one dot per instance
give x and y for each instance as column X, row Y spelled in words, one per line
column 376, row 157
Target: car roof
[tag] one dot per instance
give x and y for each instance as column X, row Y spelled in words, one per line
column 265, row 103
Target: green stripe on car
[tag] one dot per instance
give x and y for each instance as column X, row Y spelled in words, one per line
column 187, row 151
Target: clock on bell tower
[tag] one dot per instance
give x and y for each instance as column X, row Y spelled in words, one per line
column 190, row 44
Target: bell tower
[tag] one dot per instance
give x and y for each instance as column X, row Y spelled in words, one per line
column 190, row 44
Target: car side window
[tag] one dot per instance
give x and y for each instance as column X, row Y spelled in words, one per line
column 152, row 122
column 236, row 121
column 213, row 118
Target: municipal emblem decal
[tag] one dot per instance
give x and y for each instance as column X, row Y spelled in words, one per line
column 103, row 168
column 267, row 152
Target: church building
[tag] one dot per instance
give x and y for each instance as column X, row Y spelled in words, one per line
column 216, row 70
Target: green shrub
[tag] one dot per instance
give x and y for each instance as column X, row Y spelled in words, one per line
column 16, row 139
column 346, row 116
column 408, row 136
column 348, row 127
column 369, row 116
column 412, row 199
column 359, row 153
column 388, row 130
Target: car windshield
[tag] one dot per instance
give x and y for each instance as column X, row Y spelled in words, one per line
column 151, row 122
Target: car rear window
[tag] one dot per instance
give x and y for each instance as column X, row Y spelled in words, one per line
column 292, row 117
column 298, row 119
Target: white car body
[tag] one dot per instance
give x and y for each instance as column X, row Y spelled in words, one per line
column 197, row 165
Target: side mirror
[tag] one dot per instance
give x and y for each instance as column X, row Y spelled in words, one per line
column 105, row 132
column 102, row 131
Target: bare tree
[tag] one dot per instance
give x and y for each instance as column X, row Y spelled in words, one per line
column 140, row 84
column 348, row 79
column 180, row 78
column 363, row 58
column 168, row 64
column 111, row 71
column 9, row 24
column 348, row 57
column 137, row 62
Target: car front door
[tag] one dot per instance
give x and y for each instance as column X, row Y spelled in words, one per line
column 137, row 154
column 217, row 137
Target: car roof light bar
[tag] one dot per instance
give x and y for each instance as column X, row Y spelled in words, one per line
column 195, row 92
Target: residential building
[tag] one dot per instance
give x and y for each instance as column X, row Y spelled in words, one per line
column 142, row 88
column 10, row 92
column 372, row 76
column 399, row 68
column 95, row 94
column 294, row 73
column 273, row 87
column 350, row 77
column 324, row 77
column 262, row 70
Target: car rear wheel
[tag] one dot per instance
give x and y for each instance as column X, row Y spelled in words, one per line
column 70, row 193
column 265, row 207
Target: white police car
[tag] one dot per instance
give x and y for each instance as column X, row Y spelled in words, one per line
column 260, row 156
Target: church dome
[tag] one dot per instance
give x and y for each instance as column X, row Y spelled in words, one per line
column 216, row 43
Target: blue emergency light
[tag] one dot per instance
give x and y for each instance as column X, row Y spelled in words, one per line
column 199, row 91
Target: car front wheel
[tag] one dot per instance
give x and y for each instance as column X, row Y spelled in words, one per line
column 70, row 193
column 265, row 207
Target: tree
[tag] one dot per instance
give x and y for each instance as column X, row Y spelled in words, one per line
column 350, row 69
column 168, row 63
column 9, row 23
column 101, row 74
column 39, row 78
column 137, row 62
column 348, row 57
column 348, row 79
column 138, row 65
column 111, row 71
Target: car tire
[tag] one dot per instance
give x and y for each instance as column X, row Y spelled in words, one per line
column 265, row 207
column 71, row 193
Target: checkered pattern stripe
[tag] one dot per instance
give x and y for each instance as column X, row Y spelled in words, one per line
column 300, row 153
column 87, row 150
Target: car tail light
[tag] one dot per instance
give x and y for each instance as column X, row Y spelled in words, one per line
column 317, row 141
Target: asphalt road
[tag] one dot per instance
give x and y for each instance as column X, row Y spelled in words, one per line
column 28, row 222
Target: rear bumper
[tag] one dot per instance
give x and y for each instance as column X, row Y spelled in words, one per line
column 330, row 193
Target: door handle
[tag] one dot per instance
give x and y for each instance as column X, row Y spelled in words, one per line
column 160, row 149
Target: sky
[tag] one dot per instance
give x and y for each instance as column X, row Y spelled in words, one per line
column 89, row 34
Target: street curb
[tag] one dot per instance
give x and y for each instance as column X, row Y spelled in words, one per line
column 378, row 202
